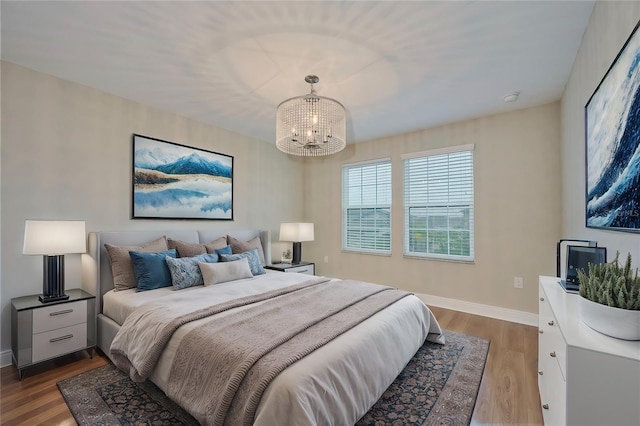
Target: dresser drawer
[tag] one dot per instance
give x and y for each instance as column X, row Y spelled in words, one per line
column 59, row 316
column 59, row 342
column 554, row 396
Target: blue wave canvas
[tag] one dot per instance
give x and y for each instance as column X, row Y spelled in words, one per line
column 173, row 181
column 613, row 145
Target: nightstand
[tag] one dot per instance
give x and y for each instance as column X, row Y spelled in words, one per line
column 42, row 331
column 301, row 268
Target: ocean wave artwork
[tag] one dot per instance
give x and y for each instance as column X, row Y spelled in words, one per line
column 613, row 145
column 173, row 181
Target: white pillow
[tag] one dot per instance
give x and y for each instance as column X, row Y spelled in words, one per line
column 216, row 273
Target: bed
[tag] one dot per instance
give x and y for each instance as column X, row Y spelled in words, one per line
column 337, row 383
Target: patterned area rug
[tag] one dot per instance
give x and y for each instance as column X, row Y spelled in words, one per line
column 439, row 386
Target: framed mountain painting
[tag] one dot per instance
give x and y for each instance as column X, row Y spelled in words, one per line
column 173, row 181
column 612, row 118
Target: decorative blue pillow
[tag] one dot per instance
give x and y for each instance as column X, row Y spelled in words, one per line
column 224, row 250
column 252, row 256
column 151, row 269
column 185, row 271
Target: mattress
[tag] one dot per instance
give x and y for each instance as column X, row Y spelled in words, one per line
column 337, row 383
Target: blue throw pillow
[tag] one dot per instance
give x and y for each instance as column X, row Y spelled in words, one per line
column 185, row 271
column 224, row 250
column 252, row 256
column 151, row 269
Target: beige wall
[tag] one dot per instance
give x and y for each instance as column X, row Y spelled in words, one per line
column 66, row 154
column 610, row 25
column 517, row 210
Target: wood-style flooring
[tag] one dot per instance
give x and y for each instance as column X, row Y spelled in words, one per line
column 508, row 394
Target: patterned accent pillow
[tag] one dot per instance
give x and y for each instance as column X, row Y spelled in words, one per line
column 216, row 273
column 242, row 246
column 185, row 271
column 121, row 267
column 151, row 269
column 251, row 256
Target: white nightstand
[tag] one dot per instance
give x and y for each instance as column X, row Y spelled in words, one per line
column 300, row 268
column 42, row 331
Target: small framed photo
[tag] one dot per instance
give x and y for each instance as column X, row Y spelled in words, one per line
column 287, row 256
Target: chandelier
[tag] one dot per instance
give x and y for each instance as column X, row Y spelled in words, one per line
column 311, row 125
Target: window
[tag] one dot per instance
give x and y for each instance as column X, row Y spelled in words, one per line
column 366, row 207
column 438, row 203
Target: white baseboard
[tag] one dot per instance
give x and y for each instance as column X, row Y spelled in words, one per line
column 497, row 312
column 5, row 358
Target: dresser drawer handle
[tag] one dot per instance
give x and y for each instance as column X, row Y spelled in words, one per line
column 540, row 372
column 545, row 406
column 542, row 299
column 57, row 339
column 551, row 323
column 67, row 311
column 552, row 354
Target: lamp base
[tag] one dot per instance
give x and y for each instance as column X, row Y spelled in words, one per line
column 297, row 252
column 49, row 299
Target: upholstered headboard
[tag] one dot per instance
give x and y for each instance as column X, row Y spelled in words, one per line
column 97, row 267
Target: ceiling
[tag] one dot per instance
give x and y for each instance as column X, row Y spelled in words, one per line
column 395, row 66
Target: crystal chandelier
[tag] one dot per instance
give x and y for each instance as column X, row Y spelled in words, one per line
column 311, row 125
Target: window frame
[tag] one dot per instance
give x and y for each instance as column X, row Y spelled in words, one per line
column 345, row 209
column 470, row 205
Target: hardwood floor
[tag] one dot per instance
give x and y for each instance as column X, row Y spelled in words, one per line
column 508, row 394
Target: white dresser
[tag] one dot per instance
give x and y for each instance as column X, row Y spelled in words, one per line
column 585, row 378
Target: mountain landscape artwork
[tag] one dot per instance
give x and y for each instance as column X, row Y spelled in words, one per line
column 173, row 181
column 613, row 144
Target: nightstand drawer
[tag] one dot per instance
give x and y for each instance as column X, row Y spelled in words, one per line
column 59, row 342
column 59, row 316
column 307, row 269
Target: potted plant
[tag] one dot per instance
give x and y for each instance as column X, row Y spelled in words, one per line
column 610, row 301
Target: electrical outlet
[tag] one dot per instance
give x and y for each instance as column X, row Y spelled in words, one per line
column 326, row 259
column 518, row 282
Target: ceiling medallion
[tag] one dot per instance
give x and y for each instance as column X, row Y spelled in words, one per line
column 311, row 125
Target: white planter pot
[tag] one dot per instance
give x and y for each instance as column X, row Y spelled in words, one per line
column 614, row 322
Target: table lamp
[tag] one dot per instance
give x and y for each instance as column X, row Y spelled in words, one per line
column 296, row 233
column 53, row 239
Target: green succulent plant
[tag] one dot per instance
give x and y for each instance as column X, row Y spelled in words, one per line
column 611, row 285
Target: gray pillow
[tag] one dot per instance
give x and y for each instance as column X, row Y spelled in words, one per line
column 186, row 249
column 251, row 256
column 216, row 273
column 185, row 271
column 121, row 267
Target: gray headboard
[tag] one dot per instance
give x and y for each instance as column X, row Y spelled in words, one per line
column 96, row 268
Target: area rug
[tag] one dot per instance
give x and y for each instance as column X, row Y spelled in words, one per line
column 438, row 386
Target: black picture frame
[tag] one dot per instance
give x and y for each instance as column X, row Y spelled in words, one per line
column 612, row 138
column 175, row 181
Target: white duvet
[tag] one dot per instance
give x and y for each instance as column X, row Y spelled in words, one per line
column 336, row 384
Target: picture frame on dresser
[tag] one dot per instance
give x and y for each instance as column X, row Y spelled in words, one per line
column 174, row 181
column 612, row 136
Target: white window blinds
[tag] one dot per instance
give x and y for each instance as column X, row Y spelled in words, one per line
column 366, row 207
column 438, row 203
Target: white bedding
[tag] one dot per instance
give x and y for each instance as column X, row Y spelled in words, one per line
column 336, row 384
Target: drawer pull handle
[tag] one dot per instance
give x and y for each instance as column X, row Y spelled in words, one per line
column 541, row 331
column 552, row 354
column 542, row 299
column 551, row 322
column 540, row 372
column 67, row 311
column 57, row 339
column 545, row 406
